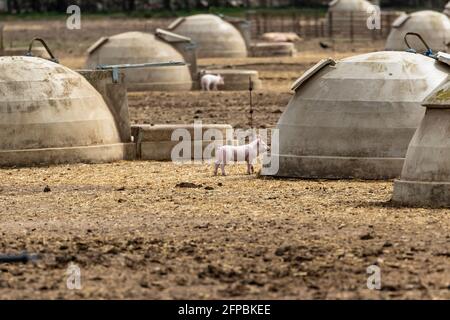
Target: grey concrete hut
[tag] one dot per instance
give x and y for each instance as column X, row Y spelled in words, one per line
column 51, row 115
column 346, row 6
column 354, row 118
column 138, row 48
column 447, row 9
column 425, row 179
column 433, row 26
column 348, row 18
column 215, row 37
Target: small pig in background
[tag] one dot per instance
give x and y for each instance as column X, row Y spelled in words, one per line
column 212, row 82
column 248, row 153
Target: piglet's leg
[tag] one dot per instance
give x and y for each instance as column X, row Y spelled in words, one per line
column 249, row 168
column 223, row 169
column 216, row 168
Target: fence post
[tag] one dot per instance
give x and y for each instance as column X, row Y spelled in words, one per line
column 299, row 25
column 351, row 27
column 265, row 22
column 1, row 38
column 316, row 25
column 388, row 23
column 294, row 27
column 330, row 25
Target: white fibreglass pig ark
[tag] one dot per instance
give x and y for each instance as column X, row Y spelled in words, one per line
column 248, row 153
column 212, row 82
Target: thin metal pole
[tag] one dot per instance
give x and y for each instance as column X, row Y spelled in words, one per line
column 250, row 89
column 142, row 65
column 1, row 37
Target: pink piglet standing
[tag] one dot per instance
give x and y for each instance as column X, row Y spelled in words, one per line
column 248, row 153
column 212, row 82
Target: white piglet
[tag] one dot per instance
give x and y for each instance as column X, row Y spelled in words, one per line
column 212, row 82
column 248, row 153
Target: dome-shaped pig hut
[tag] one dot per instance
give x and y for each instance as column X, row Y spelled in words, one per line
column 425, row 179
column 138, row 48
column 434, row 27
column 354, row 118
column 215, row 37
column 447, row 9
column 340, row 6
column 51, row 114
column 348, row 18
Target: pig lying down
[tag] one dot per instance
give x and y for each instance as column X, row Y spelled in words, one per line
column 248, row 153
column 212, row 82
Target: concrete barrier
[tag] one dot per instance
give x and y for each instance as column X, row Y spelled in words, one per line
column 237, row 80
column 155, row 142
column 273, row 49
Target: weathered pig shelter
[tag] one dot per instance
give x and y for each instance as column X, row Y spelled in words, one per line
column 346, row 6
column 53, row 115
column 157, row 142
column 215, row 37
column 141, row 48
column 425, row 179
column 433, row 26
column 447, row 9
column 348, row 17
column 354, row 118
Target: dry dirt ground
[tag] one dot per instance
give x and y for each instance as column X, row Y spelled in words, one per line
column 277, row 75
column 135, row 234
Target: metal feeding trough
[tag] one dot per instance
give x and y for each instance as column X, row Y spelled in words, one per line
column 59, row 118
column 354, row 118
column 425, row 179
column 215, row 37
column 135, row 52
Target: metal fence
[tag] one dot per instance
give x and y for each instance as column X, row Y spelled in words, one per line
column 351, row 26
